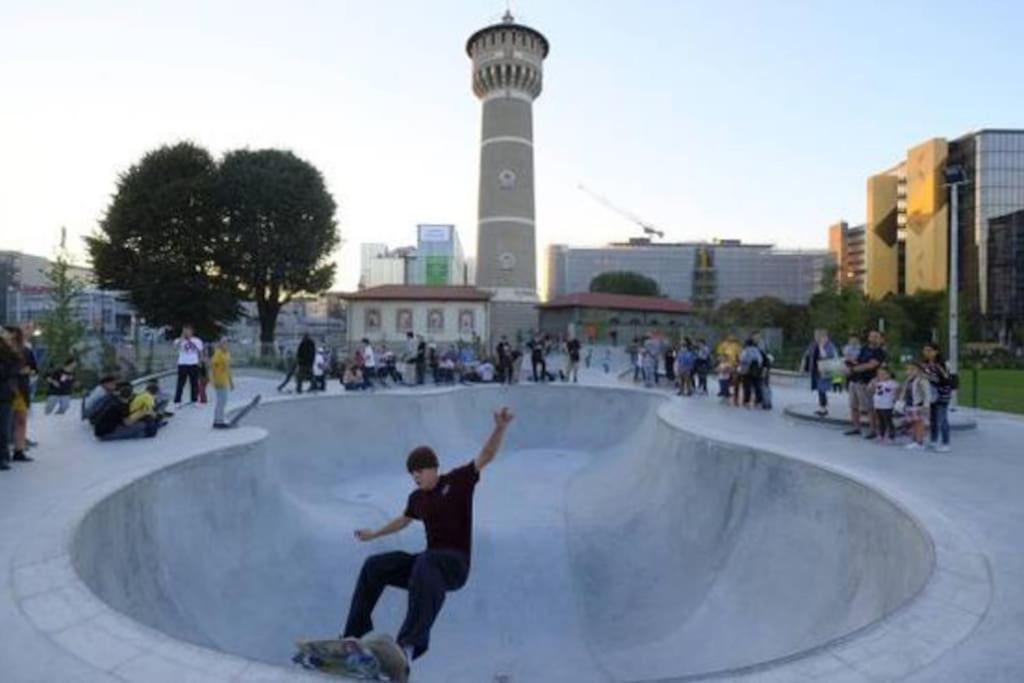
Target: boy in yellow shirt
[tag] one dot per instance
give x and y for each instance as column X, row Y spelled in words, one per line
column 220, row 368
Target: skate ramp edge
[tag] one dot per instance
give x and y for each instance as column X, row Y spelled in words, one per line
column 678, row 555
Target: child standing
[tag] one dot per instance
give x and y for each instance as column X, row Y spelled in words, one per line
column 222, row 382
column 724, row 378
column 886, row 389
column 917, row 396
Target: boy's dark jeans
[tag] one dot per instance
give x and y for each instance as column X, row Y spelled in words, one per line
column 427, row 576
column 191, row 373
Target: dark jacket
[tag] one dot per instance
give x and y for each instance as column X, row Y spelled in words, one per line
column 306, row 353
column 8, row 379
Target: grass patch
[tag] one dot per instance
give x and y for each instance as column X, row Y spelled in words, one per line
column 997, row 389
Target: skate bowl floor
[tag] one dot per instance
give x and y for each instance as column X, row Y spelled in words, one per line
column 609, row 543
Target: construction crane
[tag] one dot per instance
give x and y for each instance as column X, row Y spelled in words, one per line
column 647, row 227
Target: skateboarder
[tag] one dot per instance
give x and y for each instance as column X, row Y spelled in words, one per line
column 445, row 506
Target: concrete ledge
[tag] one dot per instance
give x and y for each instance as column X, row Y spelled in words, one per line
column 958, row 421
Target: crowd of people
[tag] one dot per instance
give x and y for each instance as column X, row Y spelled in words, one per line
column 417, row 361
column 743, row 370
column 890, row 406
column 113, row 408
column 884, row 403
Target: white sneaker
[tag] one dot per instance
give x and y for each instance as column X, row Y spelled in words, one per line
column 943, row 448
column 930, row 445
column 913, row 446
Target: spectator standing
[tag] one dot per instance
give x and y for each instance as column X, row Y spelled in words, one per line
column 862, row 372
column 751, row 369
column 304, row 357
column 190, row 351
column 223, row 382
column 573, row 348
column 59, row 386
column 885, row 390
column 10, row 363
column 22, row 400
column 504, row 352
column 821, row 360
column 942, row 383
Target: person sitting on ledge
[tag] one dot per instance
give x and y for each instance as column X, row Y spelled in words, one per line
column 94, row 398
column 116, row 420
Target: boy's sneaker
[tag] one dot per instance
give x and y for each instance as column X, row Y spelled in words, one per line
column 944, row 448
column 870, row 435
column 913, row 446
column 852, row 432
column 930, row 445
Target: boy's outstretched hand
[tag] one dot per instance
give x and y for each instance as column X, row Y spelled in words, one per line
column 503, row 417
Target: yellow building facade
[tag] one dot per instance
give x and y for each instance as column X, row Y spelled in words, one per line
column 907, row 240
column 927, row 222
column 881, row 229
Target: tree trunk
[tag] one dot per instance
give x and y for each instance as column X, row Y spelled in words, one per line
column 268, row 311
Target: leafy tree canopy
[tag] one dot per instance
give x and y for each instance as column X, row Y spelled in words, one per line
column 625, row 282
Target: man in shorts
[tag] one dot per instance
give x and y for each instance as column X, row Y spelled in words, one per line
column 862, row 372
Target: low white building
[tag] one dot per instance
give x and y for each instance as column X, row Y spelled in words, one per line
column 442, row 315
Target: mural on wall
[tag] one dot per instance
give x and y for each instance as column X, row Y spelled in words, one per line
column 403, row 320
column 371, row 320
column 435, row 320
column 467, row 321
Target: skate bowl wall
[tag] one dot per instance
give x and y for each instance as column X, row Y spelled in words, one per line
column 609, row 544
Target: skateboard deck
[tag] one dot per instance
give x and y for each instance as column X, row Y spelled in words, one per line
column 345, row 658
column 375, row 657
column 237, row 417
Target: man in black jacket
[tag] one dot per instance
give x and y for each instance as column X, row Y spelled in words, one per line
column 304, row 357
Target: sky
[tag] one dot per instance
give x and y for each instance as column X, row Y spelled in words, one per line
column 757, row 120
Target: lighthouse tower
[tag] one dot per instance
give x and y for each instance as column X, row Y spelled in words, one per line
column 507, row 76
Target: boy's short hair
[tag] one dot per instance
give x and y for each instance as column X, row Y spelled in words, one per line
column 421, row 458
column 124, row 390
column 153, row 387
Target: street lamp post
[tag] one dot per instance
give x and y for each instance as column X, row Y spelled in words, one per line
column 955, row 176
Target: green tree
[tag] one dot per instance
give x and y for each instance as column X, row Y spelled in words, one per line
column 162, row 240
column 625, row 282
column 62, row 331
column 280, row 218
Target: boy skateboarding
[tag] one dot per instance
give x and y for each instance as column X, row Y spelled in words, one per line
column 444, row 504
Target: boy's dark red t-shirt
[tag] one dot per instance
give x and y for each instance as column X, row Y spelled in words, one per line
column 447, row 510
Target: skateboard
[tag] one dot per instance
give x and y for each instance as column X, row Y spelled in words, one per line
column 345, row 658
column 375, row 657
column 237, row 417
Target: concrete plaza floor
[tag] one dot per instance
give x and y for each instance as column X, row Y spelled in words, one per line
column 965, row 624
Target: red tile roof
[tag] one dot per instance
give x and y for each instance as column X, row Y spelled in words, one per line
column 418, row 293
column 621, row 301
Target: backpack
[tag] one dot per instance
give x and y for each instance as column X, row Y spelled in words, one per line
column 750, row 362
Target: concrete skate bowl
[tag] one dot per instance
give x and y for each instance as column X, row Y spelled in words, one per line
column 609, row 544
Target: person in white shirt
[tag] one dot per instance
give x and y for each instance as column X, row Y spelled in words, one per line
column 320, row 369
column 885, row 389
column 486, row 371
column 369, row 363
column 190, row 351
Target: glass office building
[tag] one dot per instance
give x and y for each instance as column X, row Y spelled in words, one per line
column 991, row 205
column 705, row 273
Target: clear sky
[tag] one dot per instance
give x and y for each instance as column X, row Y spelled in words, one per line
column 752, row 120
